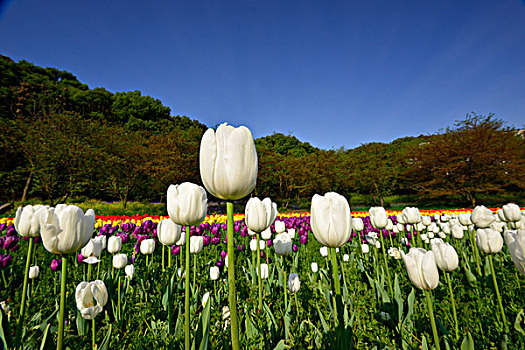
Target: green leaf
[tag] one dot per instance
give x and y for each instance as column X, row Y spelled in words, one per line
column 5, row 332
column 82, row 324
column 326, row 329
column 44, row 344
column 281, row 345
column 251, row 329
column 468, row 342
column 518, row 321
column 105, row 342
column 202, row 335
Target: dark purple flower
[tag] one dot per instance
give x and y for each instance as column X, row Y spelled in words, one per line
column 295, row 248
column 303, row 239
column 269, row 243
column 223, row 254
column 175, row 249
column 56, row 264
column 215, row 240
column 80, row 257
column 5, row 260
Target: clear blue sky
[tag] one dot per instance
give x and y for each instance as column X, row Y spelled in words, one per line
column 332, row 73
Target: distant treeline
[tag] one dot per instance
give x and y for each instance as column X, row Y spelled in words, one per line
column 59, row 140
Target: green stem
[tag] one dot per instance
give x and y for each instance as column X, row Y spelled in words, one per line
column 24, row 293
column 169, row 257
column 169, row 300
column 89, row 272
column 259, row 281
column 231, row 279
column 453, row 302
column 386, row 263
column 93, row 334
column 187, row 343
column 194, row 268
column 432, row 320
column 163, row 253
column 496, row 289
column 475, row 250
column 337, row 286
column 62, row 304
column 119, row 305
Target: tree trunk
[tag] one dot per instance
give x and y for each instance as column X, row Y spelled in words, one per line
column 26, row 187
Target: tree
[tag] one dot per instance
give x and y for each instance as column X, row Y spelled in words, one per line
column 478, row 155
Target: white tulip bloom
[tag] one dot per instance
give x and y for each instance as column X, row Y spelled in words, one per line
column 91, row 298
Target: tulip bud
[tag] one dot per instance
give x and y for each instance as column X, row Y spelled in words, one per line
column 421, row 267
column 228, row 162
column 482, row 217
column 147, row 246
column 293, row 283
column 214, row 273
column 114, row 244
column 324, row 251
column 330, row 219
column 168, row 232
column 65, row 229
column 346, row 257
column 264, row 271
column 120, row 261
column 259, row 215
column 446, row 256
column 130, row 271
column 378, row 217
column 33, row 272
column 357, row 224
column 365, row 248
column 516, row 243
column 489, row 241
column 196, row 244
column 314, row 267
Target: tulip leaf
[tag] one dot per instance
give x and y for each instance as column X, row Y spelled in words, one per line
column 251, row 329
column 326, row 329
column 468, row 342
column 45, row 344
column 520, row 318
column 202, row 335
column 82, row 324
column 281, row 345
column 5, row 332
column 105, row 342
column 424, row 345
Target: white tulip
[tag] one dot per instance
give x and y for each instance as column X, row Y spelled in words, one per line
column 214, row 273
column 365, row 248
column 446, row 256
column 228, row 162
column 346, row 257
column 65, row 229
column 282, row 244
column 92, row 248
column 168, row 232
column 331, row 219
column 196, row 244
column 314, row 267
column 323, row 251
column 426, row 220
column 412, row 215
column 457, row 231
column 187, row 204
column 114, row 244
column 27, row 220
column 293, row 283
column 512, row 212
column 91, row 298
column 464, row 219
column 421, row 267
column 489, row 241
column 264, row 271
column 266, row 234
column 130, row 271
column 120, row 261
column 482, row 217
column 378, row 217
column 147, row 246
column 259, row 215
column 357, row 224
column 33, row 272
column 280, row 226
column 516, row 243
column 205, row 298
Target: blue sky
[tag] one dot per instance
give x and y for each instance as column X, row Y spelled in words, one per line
column 333, row 73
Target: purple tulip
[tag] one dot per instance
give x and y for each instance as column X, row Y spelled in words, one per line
column 269, row 243
column 80, row 258
column 56, row 264
column 215, row 240
column 5, row 260
column 175, row 249
column 223, row 254
column 303, row 239
column 295, row 248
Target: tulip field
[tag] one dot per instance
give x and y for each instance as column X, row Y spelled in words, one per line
column 125, row 289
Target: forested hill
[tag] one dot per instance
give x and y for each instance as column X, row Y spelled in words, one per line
column 60, row 139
